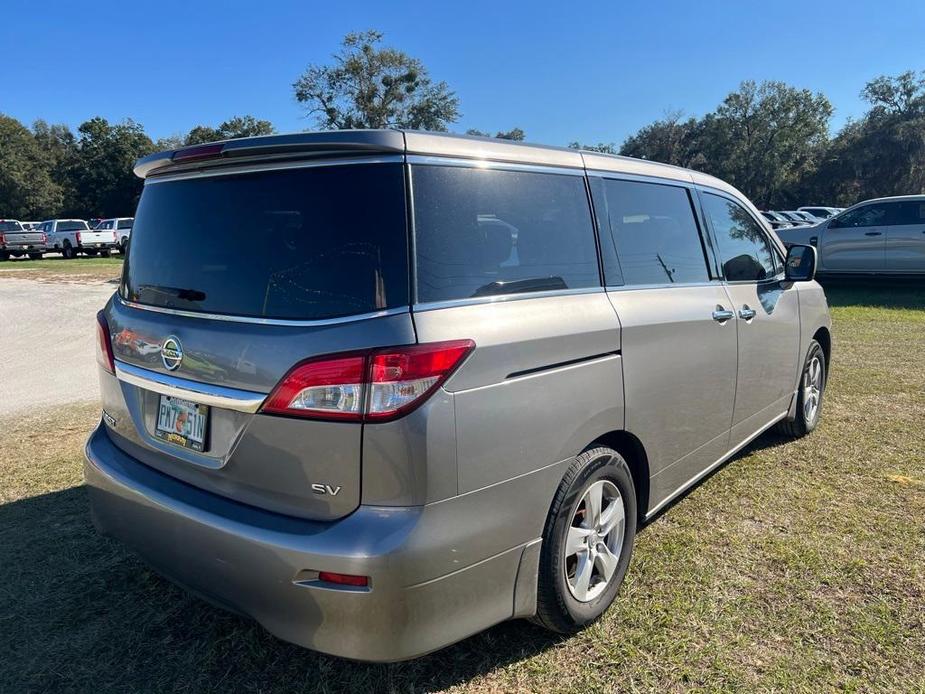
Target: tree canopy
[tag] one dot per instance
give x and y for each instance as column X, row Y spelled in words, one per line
column 515, row 134
column 369, row 86
column 771, row 140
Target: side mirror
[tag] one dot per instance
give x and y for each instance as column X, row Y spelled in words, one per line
column 801, row 264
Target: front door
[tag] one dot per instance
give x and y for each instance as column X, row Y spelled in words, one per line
column 768, row 316
column 678, row 329
column 856, row 240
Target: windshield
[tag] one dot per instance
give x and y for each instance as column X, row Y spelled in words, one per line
column 300, row 244
column 72, row 226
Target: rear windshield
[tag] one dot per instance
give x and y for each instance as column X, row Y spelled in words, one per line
column 10, row 226
column 72, row 226
column 298, row 244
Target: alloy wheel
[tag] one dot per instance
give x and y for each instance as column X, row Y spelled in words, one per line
column 594, row 541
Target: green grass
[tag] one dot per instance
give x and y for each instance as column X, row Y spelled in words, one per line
column 57, row 268
column 798, row 566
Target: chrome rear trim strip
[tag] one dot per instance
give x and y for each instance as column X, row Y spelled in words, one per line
column 202, row 393
column 263, row 321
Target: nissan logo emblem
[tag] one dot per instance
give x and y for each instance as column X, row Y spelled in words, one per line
column 171, row 353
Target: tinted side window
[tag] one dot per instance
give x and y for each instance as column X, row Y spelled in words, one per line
column 483, row 232
column 655, row 233
column 867, row 216
column 911, row 212
column 744, row 250
column 125, row 223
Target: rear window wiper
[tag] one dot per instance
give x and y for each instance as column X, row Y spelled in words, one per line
column 532, row 284
column 175, row 292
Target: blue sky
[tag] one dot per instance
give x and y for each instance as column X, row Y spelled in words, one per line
column 561, row 71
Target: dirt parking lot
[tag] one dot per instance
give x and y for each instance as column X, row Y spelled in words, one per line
column 47, row 335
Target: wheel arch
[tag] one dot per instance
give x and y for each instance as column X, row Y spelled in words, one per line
column 824, row 338
column 632, row 450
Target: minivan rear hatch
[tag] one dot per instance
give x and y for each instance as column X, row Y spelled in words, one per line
column 232, row 278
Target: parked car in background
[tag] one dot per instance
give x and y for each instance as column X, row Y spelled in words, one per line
column 820, row 212
column 374, row 462
column 883, row 236
column 64, row 235
column 776, row 220
column 805, row 216
column 16, row 241
column 793, row 217
column 100, row 239
column 122, row 226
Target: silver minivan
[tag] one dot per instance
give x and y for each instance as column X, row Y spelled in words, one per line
column 380, row 390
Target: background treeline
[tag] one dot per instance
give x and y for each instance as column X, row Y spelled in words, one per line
column 49, row 171
column 771, row 140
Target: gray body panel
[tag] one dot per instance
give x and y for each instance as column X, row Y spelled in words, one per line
column 676, row 358
column 424, row 506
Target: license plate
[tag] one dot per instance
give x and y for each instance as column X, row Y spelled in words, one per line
column 181, row 422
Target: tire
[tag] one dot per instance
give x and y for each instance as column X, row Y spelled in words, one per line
column 4, row 255
column 104, row 254
column 68, row 252
column 561, row 604
column 123, row 246
column 35, row 256
column 812, row 387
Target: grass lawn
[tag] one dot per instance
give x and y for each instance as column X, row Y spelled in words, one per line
column 56, row 268
column 797, row 566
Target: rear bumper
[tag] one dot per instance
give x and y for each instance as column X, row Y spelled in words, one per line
column 259, row 563
column 23, row 248
column 98, row 246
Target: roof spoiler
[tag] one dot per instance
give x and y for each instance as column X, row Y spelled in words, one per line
column 320, row 144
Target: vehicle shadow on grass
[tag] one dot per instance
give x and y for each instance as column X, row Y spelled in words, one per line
column 908, row 293
column 80, row 613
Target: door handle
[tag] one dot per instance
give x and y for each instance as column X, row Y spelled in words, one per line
column 747, row 313
column 872, row 233
column 721, row 315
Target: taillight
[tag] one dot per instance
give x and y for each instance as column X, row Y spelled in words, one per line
column 104, row 355
column 77, row 236
column 402, row 378
column 44, row 238
column 2, row 238
column 376, row 385
column 328, row 388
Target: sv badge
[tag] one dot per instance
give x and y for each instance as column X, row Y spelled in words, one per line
column 325, row 489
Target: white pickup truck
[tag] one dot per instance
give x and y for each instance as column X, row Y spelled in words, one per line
column 122, row 226
column 64, row 235
column 17, row 241
column 100, row 239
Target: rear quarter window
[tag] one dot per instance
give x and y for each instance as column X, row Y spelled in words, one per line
column 484, row 232
column 299, row 244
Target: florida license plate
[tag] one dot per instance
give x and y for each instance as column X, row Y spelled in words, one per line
column 182, row 422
